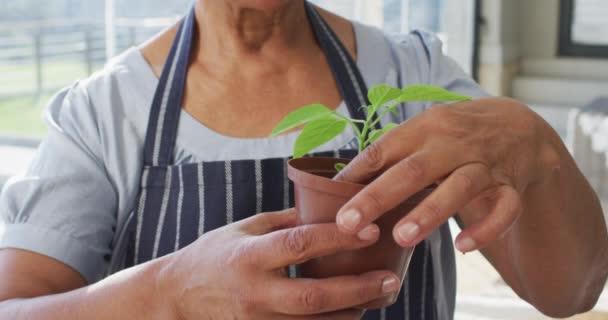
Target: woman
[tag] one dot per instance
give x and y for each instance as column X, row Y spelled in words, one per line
column 127, row 180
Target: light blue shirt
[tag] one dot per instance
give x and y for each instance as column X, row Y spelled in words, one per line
column 84, row 179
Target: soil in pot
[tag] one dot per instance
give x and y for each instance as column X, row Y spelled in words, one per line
column 318, row 199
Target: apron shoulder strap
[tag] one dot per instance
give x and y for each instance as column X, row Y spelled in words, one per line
column 167, row 103
column 348, row 77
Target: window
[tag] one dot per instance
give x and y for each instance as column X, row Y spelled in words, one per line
column 584, row 28
column 453, row 21
column 48, row 44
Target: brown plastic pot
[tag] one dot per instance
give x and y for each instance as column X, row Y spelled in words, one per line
column 318, row 199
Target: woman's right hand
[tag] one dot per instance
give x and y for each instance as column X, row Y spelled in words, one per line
column 239, row 272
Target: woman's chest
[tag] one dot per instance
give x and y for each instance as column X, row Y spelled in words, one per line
column 250, row 109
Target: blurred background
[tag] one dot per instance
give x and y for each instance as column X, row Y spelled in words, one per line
column 550, row 54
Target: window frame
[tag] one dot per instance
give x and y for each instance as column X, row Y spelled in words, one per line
column 567, row 47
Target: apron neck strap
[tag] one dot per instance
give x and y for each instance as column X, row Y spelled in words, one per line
column 348, row 77
column 167, row 104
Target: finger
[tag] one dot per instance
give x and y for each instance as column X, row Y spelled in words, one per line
column 440, row 122
column 351, row 314
column 312, row 296
column 374, row 159
column 507, row 209
column 455, row 192
column 299, row 244
column 388, row 150
column 266, row 222
column 395, row 185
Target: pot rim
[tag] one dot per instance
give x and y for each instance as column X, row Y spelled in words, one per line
column 321, row 183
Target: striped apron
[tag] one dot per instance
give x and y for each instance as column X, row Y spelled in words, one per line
column 178, row 203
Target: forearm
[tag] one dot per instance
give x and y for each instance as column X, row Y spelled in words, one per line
column 129, row 294
column 555, row 255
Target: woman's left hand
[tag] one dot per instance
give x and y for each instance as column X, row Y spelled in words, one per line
column 483, row 154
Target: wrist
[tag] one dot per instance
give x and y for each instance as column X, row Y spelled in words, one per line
column 550, row 156
column 165, row 292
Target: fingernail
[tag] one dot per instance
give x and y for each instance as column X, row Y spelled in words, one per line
column 349, row 219
column 408, row 232
column 465, row 244
column 369, row 233
column 390, row 285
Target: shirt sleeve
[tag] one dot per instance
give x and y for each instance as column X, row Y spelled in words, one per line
column 64, row 207
column 443, row 70
column 418, row 58
column 424, row 54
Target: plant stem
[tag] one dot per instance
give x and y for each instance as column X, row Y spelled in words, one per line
column 385, row 112
column 351, row 122
column 358, row 121
column 363, row 135
column 348, row 119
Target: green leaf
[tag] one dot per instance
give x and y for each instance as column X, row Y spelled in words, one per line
column 430, row 93
column 381, row 94
column 317, row 133
column 376, row 134
column 300, row 117
column 393, row 110
column 339, row 166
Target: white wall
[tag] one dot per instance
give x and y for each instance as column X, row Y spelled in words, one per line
column 519, row 56
column 539, row 33
column 545, row 77
column 459, row 29
column 500, row 52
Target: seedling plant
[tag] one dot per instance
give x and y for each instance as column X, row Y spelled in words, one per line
column 322, row 124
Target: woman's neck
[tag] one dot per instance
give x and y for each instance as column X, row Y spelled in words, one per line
column 244, row 44
column 267, row 31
